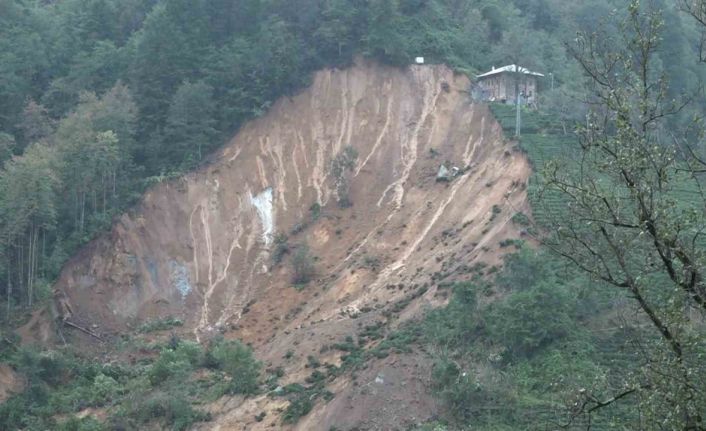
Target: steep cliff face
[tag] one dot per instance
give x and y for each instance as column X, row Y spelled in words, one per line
column 201, row 247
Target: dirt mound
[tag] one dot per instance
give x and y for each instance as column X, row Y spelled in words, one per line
column 10, row 382
column 382, row 229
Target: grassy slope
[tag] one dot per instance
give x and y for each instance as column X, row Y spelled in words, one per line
column 542, row 140
column 535, row 386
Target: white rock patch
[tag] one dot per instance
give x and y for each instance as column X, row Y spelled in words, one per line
column 179, row 277
column 265, row 210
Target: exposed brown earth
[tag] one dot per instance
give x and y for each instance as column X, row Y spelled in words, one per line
column 200, row 248
column 10, row 382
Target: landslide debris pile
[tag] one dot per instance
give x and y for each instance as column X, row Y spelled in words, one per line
column 322, row 215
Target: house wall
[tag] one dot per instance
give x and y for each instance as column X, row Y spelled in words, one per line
column 502, row 87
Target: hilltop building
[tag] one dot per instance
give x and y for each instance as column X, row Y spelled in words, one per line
column 503, row 83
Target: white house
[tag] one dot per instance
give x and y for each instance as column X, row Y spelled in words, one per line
column 503, row 83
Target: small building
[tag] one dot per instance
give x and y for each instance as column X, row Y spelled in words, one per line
column 502, row 84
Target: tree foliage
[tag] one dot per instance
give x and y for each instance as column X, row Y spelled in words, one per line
column 635, row 213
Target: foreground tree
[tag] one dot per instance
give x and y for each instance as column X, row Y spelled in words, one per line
column 636, row 219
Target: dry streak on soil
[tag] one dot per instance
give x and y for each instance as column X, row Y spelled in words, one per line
column 197, row 248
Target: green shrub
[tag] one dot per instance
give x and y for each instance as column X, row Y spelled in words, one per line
column 342, row 164
column 14, row 413
column 458, row 388
column 237, row 360
column 49, row 367
column 303, row 265
column 160, row 324
column 173, row 408
column 62, row 384
column 372, row 262
column 172, row 364
column 458, row 322
column 87, row 423
column 530, row 319
column 521, row 219
column 104, row 389
column 281, row 248
column 495, row 212
column 523, row 270
column 517, row 243
column 315, row 210
column 565, row 368
column 432, row 426
column 298, row 406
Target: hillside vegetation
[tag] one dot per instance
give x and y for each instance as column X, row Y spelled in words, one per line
column 571, row 297
column 99, row 99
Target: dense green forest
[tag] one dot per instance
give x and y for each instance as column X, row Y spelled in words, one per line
column 99, row 99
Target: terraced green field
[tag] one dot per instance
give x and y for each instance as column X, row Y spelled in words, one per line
column 542, row 139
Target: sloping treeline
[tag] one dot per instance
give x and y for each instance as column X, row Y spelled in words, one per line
column 100, row 98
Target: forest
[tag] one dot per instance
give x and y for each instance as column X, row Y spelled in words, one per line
column 100, row 99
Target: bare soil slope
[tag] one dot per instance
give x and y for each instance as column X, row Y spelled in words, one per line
column 200, row 248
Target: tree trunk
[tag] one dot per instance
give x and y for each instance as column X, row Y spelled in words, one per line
column 9, row 284
column 44, row 252
column 20, row 267
column 104, row 192
column 76, row 210
column 35, row 254
column 83, row 211
column 29, row 268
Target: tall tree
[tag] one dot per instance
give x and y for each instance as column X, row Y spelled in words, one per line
column 385, row 37
column 24, row 59
column 190, row 120
column 339, row 30
column 628, row 223
column 170, row 48
column 35, row 123
column 28, row 187
column 91, row 155
column 7, row 147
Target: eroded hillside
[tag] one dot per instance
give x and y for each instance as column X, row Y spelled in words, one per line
column 202, row 248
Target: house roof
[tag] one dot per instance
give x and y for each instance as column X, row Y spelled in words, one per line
column 509, row 68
